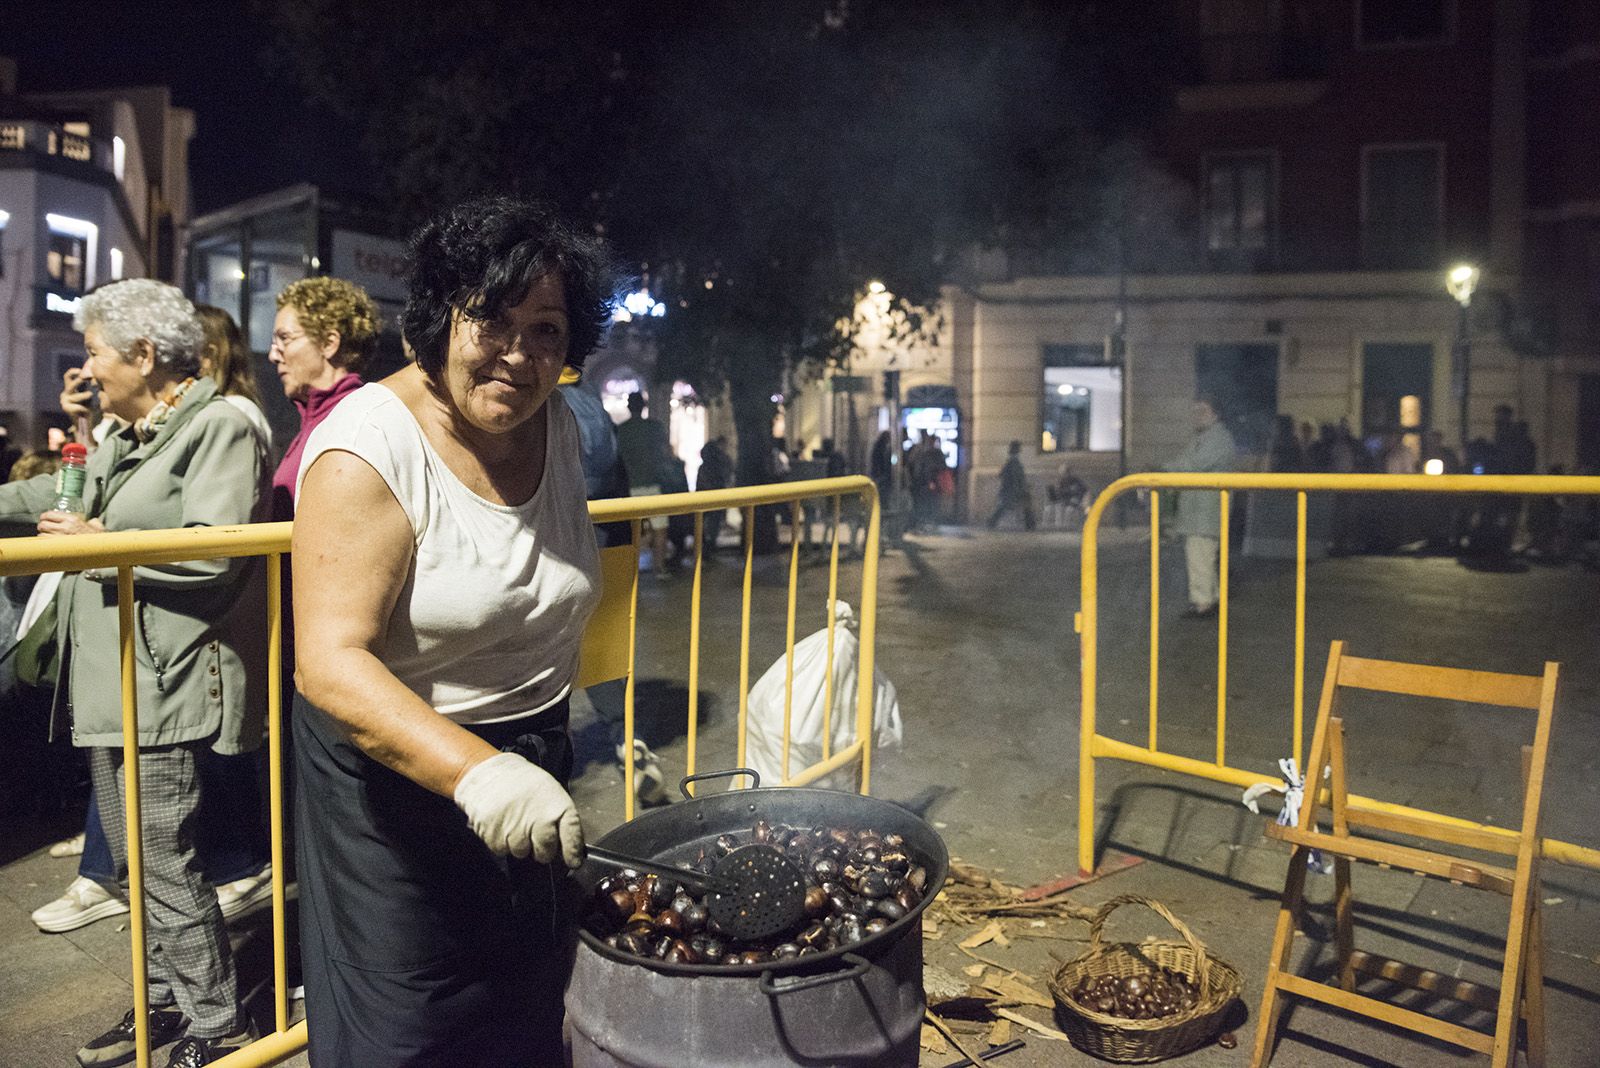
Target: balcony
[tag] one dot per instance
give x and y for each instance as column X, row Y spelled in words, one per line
column 46, row 139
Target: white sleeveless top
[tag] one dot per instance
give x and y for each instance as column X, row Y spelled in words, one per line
column 488, row 624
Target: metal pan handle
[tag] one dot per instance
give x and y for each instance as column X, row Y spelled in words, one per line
column 755, row 778
column 859, row 966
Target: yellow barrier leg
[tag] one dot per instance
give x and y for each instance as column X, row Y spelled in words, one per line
column 1300, row 629
column 1155, row 613
column 694, row 644
column 130, row 771
column 280, row 953
column 796, row 514
column 628, row 770
column 1222, row 638
column 869, row 637
column 744, row 632
column 833, row 597
column 1087, row 630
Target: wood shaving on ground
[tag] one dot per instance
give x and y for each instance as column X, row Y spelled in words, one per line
column 975, row 909
column 973, row 895
column 1032, row 1025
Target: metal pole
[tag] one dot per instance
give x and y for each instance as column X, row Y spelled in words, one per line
column 1464, row 358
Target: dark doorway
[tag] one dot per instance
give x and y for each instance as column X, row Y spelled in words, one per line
column 1390, row 372
column 1589, row 423
column 1244, row 381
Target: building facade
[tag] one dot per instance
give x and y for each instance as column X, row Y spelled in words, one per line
column 93, row 187
column 1322, row 165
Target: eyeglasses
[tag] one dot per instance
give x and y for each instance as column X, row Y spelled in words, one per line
column 282, row 341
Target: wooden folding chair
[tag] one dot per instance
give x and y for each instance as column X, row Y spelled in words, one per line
column 1521, row 993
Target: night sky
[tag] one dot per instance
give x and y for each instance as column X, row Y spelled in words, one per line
column 253, row 133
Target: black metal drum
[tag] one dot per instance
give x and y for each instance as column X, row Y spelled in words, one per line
column 857, row 1005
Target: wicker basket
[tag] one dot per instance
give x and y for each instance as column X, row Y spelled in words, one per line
column 1114, row 1038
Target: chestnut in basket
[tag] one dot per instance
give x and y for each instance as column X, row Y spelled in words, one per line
column 858, row 884
column 1147, row 996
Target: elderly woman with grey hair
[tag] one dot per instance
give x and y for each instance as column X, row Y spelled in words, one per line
column 182, row 457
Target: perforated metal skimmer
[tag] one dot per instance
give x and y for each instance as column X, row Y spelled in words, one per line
column 763, row 893
column 753, row 893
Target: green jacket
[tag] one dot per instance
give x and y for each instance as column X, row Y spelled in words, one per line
column 200, row 649
column 1200, row 511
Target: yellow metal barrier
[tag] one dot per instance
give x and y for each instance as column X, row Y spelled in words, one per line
column 1092, row 745
column 609, row 650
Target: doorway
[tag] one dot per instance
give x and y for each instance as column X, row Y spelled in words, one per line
column 1396, row 387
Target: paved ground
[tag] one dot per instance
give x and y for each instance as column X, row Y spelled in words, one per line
column 976, row 632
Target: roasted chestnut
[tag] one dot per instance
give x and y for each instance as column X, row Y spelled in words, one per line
column 860, row 884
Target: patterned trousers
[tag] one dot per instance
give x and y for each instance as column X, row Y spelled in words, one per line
column 190, row 964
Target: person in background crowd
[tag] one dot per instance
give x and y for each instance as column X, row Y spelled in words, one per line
column 1440, row 513
column 1067, row 494
column 232, row 839
column 447, row 569
column 605, row 476
column 33, row 773
column 645, row 447
column 1199, row 518
column 181, row 457
column 880, row 468
column 1014, row 493
column 680, row 528
column 226, row 361
column 1284, row 453
column 716, row 472
column 924, row 466
column 323, row 335
column 9, row 454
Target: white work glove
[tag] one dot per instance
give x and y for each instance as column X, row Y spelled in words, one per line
column 517, row 807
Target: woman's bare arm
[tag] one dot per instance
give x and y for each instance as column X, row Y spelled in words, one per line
column 352, row 551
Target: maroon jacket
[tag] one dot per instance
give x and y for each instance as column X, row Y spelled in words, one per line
column 314, row 408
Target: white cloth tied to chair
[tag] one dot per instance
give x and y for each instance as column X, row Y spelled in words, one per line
column 1293, row 789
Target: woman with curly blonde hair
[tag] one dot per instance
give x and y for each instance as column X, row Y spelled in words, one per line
column 323, row 335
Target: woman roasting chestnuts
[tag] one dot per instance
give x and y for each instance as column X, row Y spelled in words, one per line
column 445, row 568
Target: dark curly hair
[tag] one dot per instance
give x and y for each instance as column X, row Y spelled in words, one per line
column 481, row 256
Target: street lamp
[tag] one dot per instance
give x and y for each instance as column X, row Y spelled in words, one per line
column 1460, row 282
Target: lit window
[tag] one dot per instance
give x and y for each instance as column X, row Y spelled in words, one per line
column 1081, row 402
column 5, row 217
column 119, row 158
column 116, row 264
column 70, row 254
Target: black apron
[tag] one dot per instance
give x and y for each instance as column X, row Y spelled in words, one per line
column 420, row 947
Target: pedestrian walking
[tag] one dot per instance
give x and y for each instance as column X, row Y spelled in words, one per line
column 1014, row 495
column 1199, row 518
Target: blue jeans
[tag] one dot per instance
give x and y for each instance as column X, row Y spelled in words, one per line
column 231, row 837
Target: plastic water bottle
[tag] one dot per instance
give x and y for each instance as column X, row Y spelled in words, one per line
column 70, row 479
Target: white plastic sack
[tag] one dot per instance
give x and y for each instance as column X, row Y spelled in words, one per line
column 764, row 741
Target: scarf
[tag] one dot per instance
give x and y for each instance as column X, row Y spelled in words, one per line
column 146, row 429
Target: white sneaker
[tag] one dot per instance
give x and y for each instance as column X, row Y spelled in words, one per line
column 242, row 895
column 649, row 784
column 84, row 902
column 72, row 847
